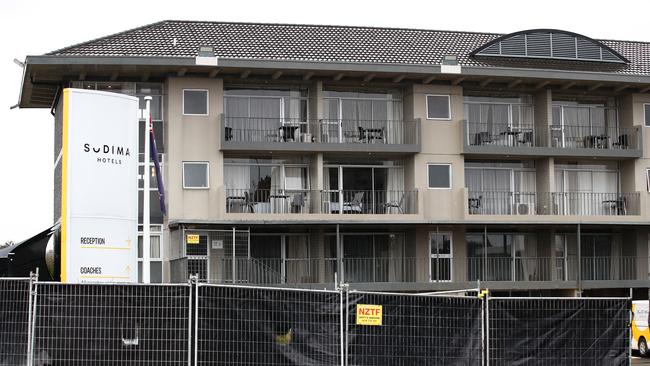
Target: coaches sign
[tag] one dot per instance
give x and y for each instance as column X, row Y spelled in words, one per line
column 99, row 198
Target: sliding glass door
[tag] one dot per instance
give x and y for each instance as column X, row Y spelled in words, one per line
column 362, row 117
column 361, row 189
column 373, row 257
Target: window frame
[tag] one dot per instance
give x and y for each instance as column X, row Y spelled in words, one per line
column 646, row 115
column 448, row 96
column 207, row 103
column 450, row 175
column 207, row 165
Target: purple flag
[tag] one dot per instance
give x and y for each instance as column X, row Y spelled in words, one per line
column 156, row 163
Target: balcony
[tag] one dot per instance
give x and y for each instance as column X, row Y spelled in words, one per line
column 556, row 140
column 553, row 203
column 266, row 201
column 264, row 134
column 552, row 269
column 293, row 271
column 368, row 202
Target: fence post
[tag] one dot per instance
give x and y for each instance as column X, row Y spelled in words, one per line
column 347, row 321
column 341, row 314
column 191, row 282
column 31, row 317
column 487, row 327
column 194, row 287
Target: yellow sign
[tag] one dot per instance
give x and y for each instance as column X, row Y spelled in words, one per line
column 369, row 314
column 192, row 238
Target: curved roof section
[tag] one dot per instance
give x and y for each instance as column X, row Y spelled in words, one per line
column 549, row 44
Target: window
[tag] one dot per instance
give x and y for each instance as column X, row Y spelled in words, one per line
column 441, row 254
column 195, row 175
column 439, row 176
column 155, row 257
column 647, row 179
column 646, row 114
column 195, row 102
column 438, row 107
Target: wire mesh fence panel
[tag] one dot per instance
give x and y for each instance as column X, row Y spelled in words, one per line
column 413, row 330
column 265, row 326
column 112, row 324
column 558, row 331
column 14, row 320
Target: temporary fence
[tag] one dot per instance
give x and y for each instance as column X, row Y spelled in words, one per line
column 558, row 331
column 47, row 323
column 14, row 320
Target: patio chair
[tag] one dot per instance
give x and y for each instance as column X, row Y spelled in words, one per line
column 354, row 206
column 297, row 202
column 395, row 204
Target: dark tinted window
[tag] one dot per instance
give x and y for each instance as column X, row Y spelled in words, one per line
column 438, row 107
column 439, row 176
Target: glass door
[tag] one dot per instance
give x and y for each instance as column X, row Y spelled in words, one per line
column 441, row 257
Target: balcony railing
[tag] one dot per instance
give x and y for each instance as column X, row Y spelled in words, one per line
column 269, row 201
column 411, row 270
column 368, row 131
column 501, row 203
column 593, row 137
column 258, row 129
column 490, row 134
column 482, row 134
column 554, row 203
column 282, row 130
column 552, row 269
column 368, row 202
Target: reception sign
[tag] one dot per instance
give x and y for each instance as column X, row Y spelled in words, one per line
column 99, row 183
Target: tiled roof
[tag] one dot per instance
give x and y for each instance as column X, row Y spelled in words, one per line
column 330, row 44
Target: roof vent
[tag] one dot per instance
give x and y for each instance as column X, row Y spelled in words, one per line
column 206, row 56
column 450, row 60
column 449, row 65
column 206, row 51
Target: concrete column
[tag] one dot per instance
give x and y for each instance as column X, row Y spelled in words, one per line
column 543, row 116
column 545, row 184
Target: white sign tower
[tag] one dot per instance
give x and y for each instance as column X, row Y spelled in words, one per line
column 99, row 187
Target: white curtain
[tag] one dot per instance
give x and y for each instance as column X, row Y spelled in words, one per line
column 276, row 179
column 295, row 178
column 297, row 264
column 237, row 177
column 395, row 258
column 395, row 186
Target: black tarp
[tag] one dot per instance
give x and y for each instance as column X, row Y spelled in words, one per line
column 112, row 324
column 29, row 254
column 543, row 331
column 255, row 326
column 416, row 330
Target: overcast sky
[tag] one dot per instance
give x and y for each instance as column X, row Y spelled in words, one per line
column 32, row 27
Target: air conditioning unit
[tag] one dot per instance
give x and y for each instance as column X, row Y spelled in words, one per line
column 521, row 209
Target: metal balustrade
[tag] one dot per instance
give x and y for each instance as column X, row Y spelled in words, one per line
column 275, row 201
column 283, row 130
column 479, row 134
column 553, row 203
column 368, row 202
column 368, row 131
column 604, row 268
column 268, row 201
column 495, row 134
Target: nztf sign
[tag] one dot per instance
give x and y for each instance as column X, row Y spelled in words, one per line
column 369, row 314
column 99, row 186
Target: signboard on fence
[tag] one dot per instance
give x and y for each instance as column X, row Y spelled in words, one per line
column 369, row 314
column 99, row 187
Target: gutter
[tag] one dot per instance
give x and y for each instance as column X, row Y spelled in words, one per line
column 335, row 66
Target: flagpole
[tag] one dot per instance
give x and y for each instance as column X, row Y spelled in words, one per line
column 146, row 227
